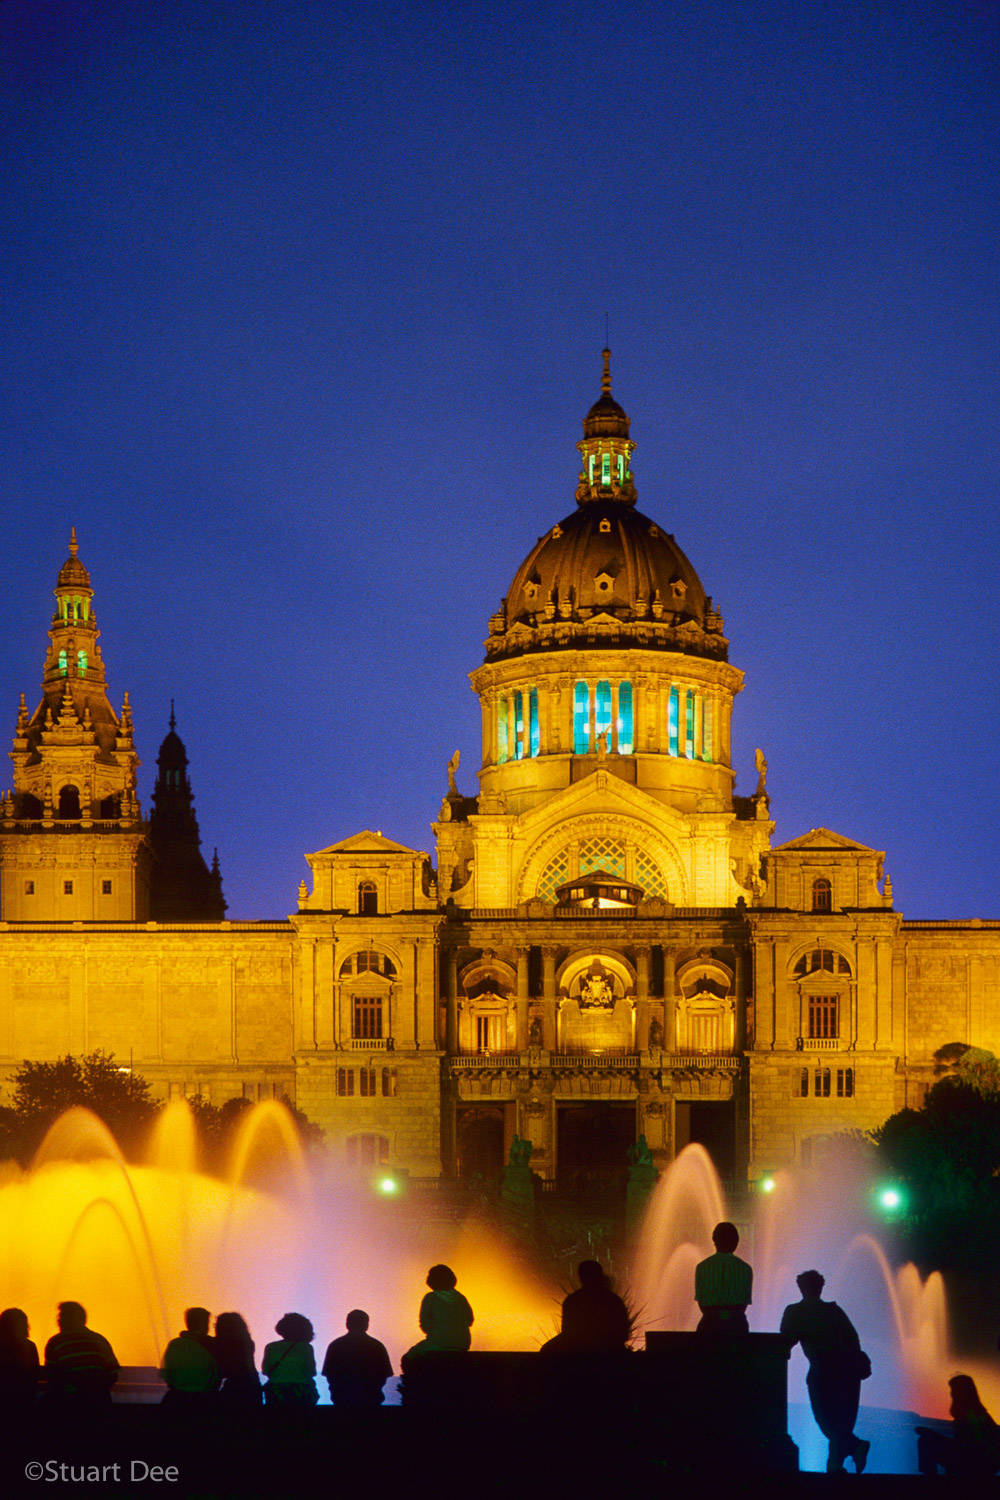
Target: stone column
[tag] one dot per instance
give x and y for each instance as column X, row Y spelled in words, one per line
column 549, row 999
column 669, row 1001
column 883, row 993
column 740, row 996
column 642, row 999
column 451, row 998
column 521, row 1001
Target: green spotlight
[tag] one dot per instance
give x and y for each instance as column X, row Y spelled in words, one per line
column 890, row 1200
column 388, row 1186
column 767, row 1183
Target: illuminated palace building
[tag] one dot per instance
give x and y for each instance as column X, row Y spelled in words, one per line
column 611, row 944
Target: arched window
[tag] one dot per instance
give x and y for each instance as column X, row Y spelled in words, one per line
column 69, row 802
column 367, row 899
column 821, row 959
column 63, row 668
column 822, row 895
column 81, row 663
column 368, row 961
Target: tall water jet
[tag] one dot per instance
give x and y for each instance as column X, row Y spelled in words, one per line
column 136, row 1244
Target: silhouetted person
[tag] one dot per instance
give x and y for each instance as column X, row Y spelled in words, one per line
column 972, row 1450
column 19, row 1369
column 189, row 1366
column 357, row 1366
column 723, row 1285
column 234, row 1351
column 445, row 1317
column 595, row 1320
column 290, row 1365
column 836, row 1367
column 80, row 1365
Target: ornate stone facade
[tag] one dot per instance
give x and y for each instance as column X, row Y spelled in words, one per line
column 610, row 944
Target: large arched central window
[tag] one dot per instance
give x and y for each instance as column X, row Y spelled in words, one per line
column 612, row 856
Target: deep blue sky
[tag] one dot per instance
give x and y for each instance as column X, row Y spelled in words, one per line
column 302, row 307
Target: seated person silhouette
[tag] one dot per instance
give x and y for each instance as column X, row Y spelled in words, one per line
column 80, row 1365
column 189, row 1366
column 595, row 1320
column 972, row 1450
column 357, row 1366
column 723, row 1284
column 445, row 1317
column 234, row 1351
column 19, row 1369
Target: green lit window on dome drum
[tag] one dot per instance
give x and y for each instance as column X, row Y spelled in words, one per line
column 581, row 719
column 533, row 722
column 707, row 727
column 501, row 731
column 689, row 724
column 673, row 714
column 625, row 730
column 63, row 667
column 590, row 470
column 605, row 468
column 621, row 469
column 518, row 726
column 602, row 716
column 81, row 663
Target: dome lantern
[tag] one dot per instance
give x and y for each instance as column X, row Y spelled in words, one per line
column 606, row 449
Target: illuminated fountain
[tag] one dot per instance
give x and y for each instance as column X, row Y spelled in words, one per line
column 136, row 1244
column 823, row 1224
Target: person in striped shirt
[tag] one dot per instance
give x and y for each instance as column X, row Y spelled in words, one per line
column 80, row 1365
column 723, row 1285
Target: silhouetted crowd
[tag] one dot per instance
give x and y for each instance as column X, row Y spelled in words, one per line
column 209, row 1372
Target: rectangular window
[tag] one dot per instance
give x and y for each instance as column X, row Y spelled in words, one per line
column 501, row 731
column 602, row 714
column 67, row 887
column 367, row 1020
column 621, row 468
column 345, row 1083
column 822, row 1083
column 581, row 719
column 489, row 1033
column 518, row 726
column 367, row 1089
column 590, row 470
column 673, row 712
column 29, row 887
column 533, row 722
column 105, row 887
column 605, row 468
column 689, row 724
column 845, row 1083
column 367, row 1150
column 800, row 1083
column 390, row 1083
column 707, row 726
column 626, row 740
column 706, row 1032
column 823, row 1018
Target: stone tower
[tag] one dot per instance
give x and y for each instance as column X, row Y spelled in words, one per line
column 183, row 888
column 72, row 842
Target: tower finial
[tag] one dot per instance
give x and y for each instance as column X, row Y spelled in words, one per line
column 173, row 721
column 606, row 377
column 73, row 547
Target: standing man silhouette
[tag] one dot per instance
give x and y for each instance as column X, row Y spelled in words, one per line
column 836, row 1368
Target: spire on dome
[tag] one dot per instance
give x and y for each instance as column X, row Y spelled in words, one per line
column 606, row 448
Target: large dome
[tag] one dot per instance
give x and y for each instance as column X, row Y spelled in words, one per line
column 606, row 575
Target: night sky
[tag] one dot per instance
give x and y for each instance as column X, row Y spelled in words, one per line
column 303, row 305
